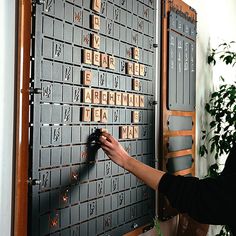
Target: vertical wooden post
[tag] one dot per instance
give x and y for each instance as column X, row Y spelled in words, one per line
column 22, row 118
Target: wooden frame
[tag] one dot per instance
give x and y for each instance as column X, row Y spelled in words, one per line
column 166, row 6
column 22, row 118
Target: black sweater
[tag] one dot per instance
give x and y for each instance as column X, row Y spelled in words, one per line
column 209, row 201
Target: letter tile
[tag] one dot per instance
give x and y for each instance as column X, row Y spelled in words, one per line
column 111, row 62
column 103, row 96
column 136, row 84
column 87, row 95
column 111, row 98
column 96, row 58
column 130, row 132
column 129, row 68
column 95, row 22
column 96, row 5
column 135, row 116
column 130, row 100
column 124, row 99
column 141, row 101
column 87, row 77
column 136, row 100
column 96, row 96
column 136, row 131
column 123, row 132
column 104, row 115
column 95, row 42
column 87, row 56
column 104, row 60
column 118, row 98
column 96, row 114
column 86, row 114
column 136, row 53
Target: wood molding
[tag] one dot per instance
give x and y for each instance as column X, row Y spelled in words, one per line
column 22, row 118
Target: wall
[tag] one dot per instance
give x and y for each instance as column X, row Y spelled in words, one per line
column 216, row 21
column 7, row 49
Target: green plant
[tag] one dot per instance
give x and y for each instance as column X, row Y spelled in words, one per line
column 218, row 139
column 157, row 226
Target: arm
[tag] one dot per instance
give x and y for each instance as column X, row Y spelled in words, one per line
column 116, row 153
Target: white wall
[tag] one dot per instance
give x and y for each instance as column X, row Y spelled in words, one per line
column 7, row 57
column 216, row 24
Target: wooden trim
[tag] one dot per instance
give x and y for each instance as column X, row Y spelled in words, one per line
column 183, row 172
column 166, row 6
column 22, row 118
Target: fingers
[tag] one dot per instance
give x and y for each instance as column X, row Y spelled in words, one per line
column 105, row 142
column 108, row 136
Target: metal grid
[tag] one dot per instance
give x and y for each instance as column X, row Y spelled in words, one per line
column 71, row 195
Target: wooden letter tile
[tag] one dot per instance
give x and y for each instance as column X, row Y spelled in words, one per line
column 87, row 77
column 136, row 100
column 123, row 132
column 141, row 70
column 141, row 101
column 96, row 5
column 136, row 84
column 103, row 96
column 96, row 114
column 104, row 115
column 95, row 42
column 96, row 58
column 111, row 62
column 111, row 98
column 129, row 68
column 136, row 131
column 136, row 53
column 95, row 22
column 96, row 96
column 130, row 132
column 118, row 98
column 136, row 69
column 86, row 114
column 104, row 60
column 87, row 95
column 130, row 99
column 87, row 56
column 124, row 99
column 135, row 116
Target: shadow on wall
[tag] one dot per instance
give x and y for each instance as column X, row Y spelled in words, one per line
column 50, row 222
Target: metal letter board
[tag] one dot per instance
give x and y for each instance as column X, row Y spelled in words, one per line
column 69, row 195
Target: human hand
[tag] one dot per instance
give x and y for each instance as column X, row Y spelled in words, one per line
column 113, row 149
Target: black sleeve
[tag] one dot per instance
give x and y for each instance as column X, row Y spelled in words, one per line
column 209, row 201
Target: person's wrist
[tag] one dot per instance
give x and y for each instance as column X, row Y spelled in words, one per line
column 126, row 162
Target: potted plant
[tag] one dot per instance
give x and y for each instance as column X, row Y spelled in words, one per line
column 220, row 135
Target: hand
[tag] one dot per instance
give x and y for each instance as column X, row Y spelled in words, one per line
column 113, row 149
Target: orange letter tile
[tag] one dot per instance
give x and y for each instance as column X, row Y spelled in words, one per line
column 95, row 22
column 96, row 114
column 87, row 95
column 96, row 96
column 87, row 77
column 87, row 56
column 86, row 114
column 104, row 115
column 96, row 5
column 123, row 132
column 95, row 42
